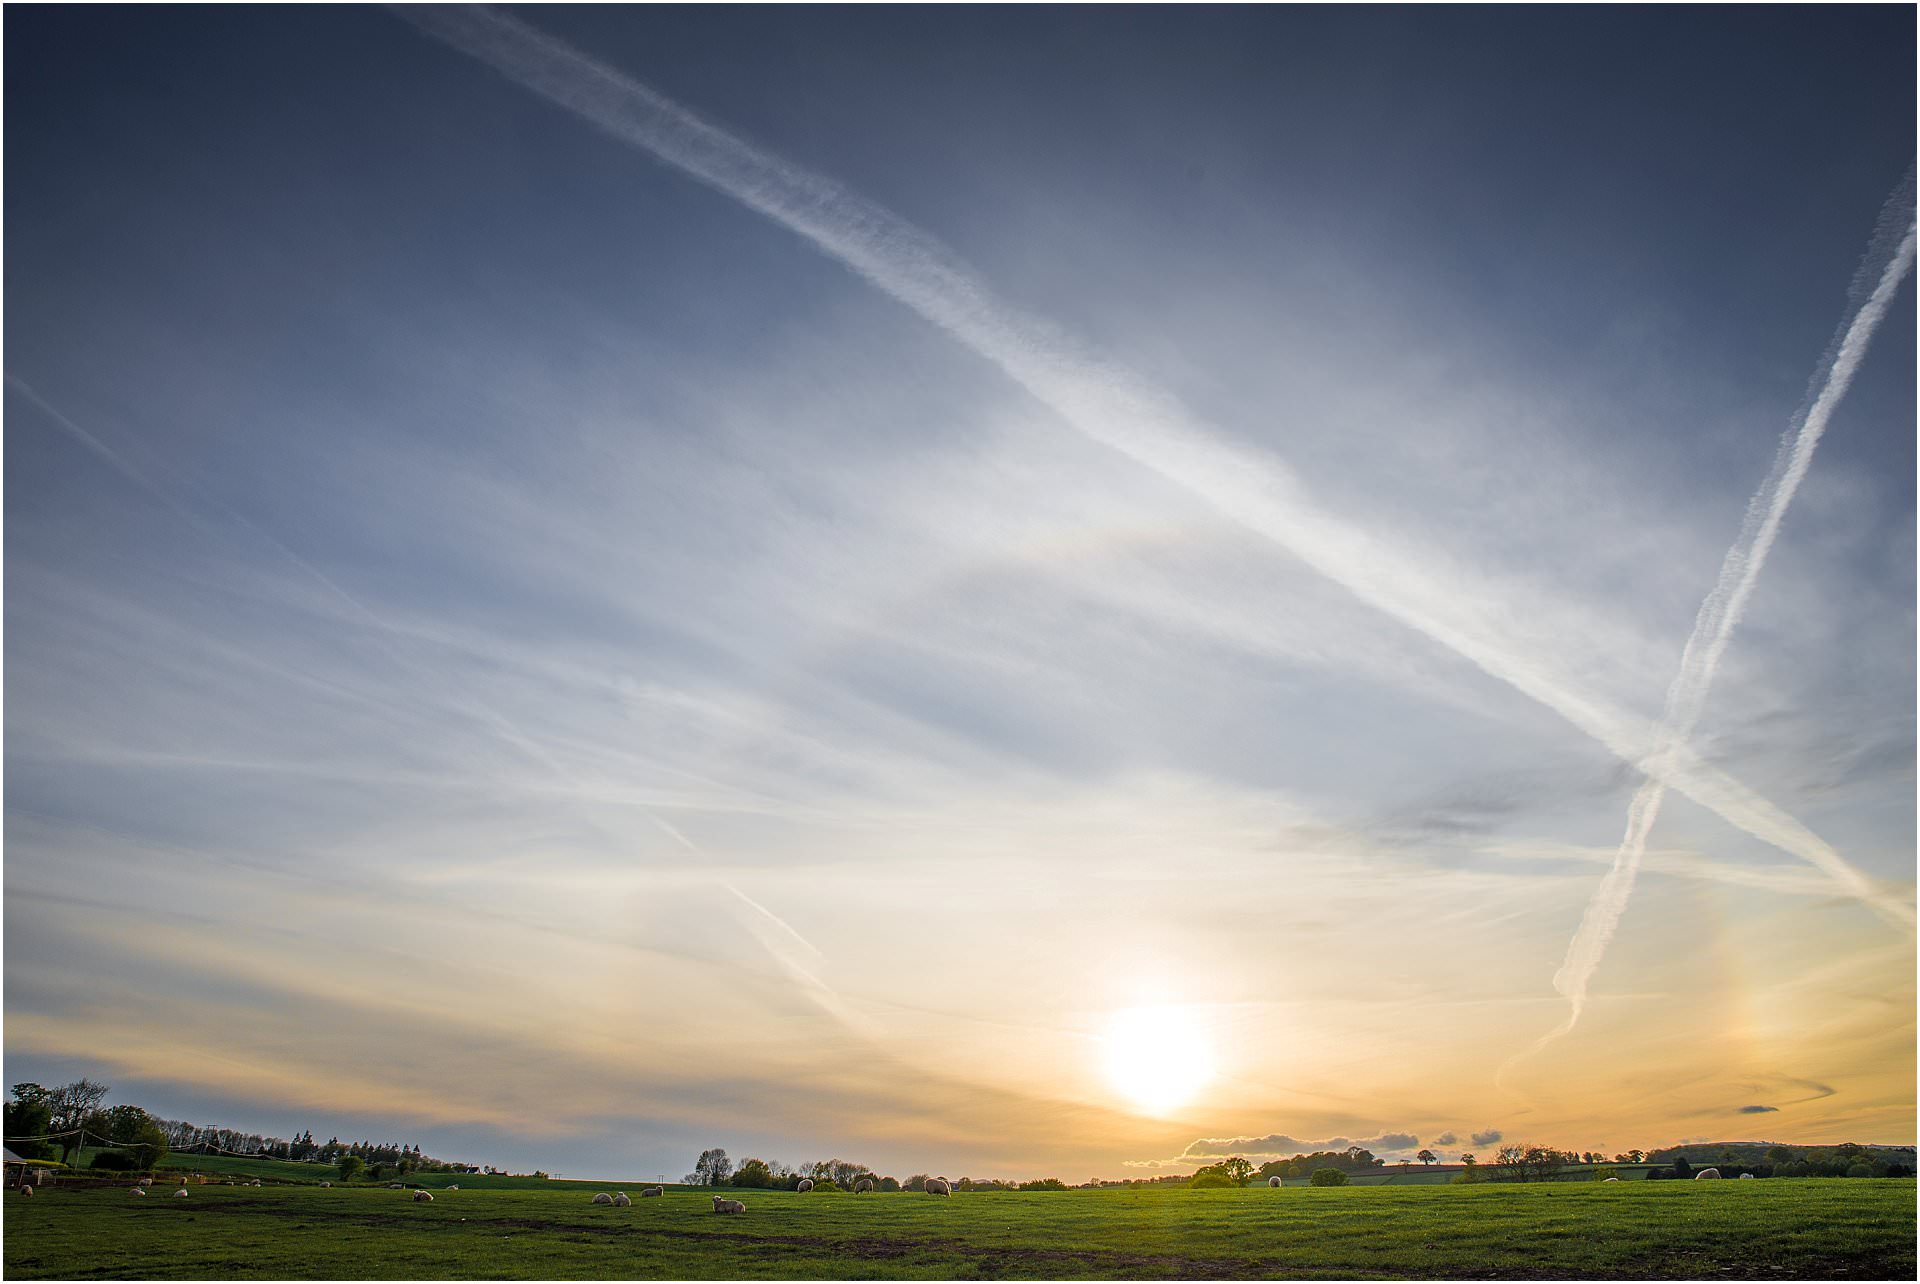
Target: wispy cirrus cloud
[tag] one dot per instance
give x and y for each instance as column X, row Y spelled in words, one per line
column 1115, row 408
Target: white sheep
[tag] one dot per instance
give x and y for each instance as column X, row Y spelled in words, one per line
column 1273, row 1181
column 603, row 1198
column 422, row 1197
column 862, row 1186
column 1746, row 1176
column 325, row 1184
column 27, row 1191
column 806, row 1184
column 653, row 1190
column 621, row 1200
column 146, row 1181
column 181, row 1193
column 453, row 1188
column 254, row 1182
column 135, row 1190
column 183, row 1181
column 728, row 1205
column 1605, row 1180
column 396, row 1185
column 935, row 1186
column 1707, row 1174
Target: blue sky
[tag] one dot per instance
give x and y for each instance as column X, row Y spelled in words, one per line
column 511, row 648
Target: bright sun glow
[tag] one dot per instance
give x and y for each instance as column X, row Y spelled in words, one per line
column 1158, row 1057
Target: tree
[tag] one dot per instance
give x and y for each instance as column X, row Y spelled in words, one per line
column 1328, row 1177
column 29, row 1115
column 1426, row 1157
column 1210, row 1178
column 133, row 1130
column 1681, row 1168
column 753, row 1174
column 73, row 1102
column 351, row 1166
column 1238, row 1170
column 710, row 1169
column 1521, row 1162
column 1468, row 1159
column 842, row 1172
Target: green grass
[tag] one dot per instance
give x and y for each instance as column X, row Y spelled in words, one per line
column 1774, row 1229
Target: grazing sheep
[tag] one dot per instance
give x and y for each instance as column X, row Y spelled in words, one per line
column 1746, row 1176
column 728, row 1205
column 181, row 1193
column 862, row 1186
column 135, row 1190
column 183, row 1181
column 937, row 1187
column 621, row 1200
column 27, row 1191
column 1273, row 1181
column 325, row 1184
column 1605, row 1180
column 603, row 1198
column 396, row 1185
column 806, row 1184
column 254, row 1182
column 453, row 1188
column 1707, row 1174
column 653, row 1190
column 422, row 1197
column 146, row 1181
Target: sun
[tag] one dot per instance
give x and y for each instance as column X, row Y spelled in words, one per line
column 1158, row 1058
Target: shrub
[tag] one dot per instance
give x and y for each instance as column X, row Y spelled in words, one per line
column 1044, row 1183
column 1206, row 1180
column 1328, row 1177
column 113, row 1161
column 1468, row 1176
column 1860, row 1170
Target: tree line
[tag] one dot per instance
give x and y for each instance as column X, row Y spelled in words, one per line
column 50, row 1123
column 714, row 1168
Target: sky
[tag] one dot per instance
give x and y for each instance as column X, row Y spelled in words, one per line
column 999, row 592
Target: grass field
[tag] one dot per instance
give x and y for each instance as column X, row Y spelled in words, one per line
column 1775, row 1229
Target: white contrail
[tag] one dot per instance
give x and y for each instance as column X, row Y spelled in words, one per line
column 1105, row 403
column 1889, row 258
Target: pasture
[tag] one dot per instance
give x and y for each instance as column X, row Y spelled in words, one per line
column 1774, row 1229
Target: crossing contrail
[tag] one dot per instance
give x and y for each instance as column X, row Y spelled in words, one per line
column 1888, row 260
column 1108, row 404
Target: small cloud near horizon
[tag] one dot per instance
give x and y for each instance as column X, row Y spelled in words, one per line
column 1758, row 1110
column 1488, row 1137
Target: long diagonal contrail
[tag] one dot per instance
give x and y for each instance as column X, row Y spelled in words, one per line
column 1107, row 404
column 1888, row 260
